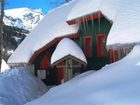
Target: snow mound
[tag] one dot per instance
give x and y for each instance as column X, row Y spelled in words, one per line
column 4, row 66
column 115, row 84
column 19, row 86
column 67, row 47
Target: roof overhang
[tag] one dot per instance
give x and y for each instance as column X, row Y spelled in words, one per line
column 71, row 57
column 89, row 17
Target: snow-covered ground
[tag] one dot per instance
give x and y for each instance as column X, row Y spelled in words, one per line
column 115, row 84
column 19, row 86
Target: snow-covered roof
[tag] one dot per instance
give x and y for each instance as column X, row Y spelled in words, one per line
column 67, row 47
column 52, row 25
column 124, row 14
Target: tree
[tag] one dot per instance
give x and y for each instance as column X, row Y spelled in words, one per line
column 1, row 30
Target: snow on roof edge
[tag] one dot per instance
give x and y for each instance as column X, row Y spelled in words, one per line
column 120, row 45
column 67, row 47
column 98, row 11
column 85, row 63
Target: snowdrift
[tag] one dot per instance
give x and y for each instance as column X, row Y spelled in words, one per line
column 115, row 84
column 18, row 86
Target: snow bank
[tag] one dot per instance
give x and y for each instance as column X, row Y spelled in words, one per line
column 53, row 25
column 67, row 47
column 124, row 14
column 4, row 66
column 115, row 84
column 18, row 86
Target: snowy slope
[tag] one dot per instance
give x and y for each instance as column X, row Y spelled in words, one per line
column 53, row 25
column 67, row 47
column 18, row 86
column 22, row 18
column 115, row 84
column 124, row 14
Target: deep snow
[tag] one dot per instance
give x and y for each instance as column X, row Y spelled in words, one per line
column 19, row 86
column 115, row 84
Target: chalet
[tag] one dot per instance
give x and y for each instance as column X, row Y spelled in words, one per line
column 79, row 36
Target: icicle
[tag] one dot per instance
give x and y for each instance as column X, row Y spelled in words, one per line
column 99, row 22
column 92, row 22
column 86, row 21
column 84, row 25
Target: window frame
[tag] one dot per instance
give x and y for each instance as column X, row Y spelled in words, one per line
column 99, row 50
column 90, row 54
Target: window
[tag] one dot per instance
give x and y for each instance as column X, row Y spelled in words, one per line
column 101, row 45
column 88, row 46
column 41, row 74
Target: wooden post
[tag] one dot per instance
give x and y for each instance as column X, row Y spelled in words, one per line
column 1, row 31
column 68, row 71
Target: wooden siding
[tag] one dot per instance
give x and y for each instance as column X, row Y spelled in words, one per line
column 94, row 28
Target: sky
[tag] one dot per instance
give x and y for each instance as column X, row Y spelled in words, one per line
column 44, row 5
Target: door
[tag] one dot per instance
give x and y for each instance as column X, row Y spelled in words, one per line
column 88, row 46
column 68, row 70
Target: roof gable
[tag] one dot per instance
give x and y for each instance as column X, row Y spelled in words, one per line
column 67, row 47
